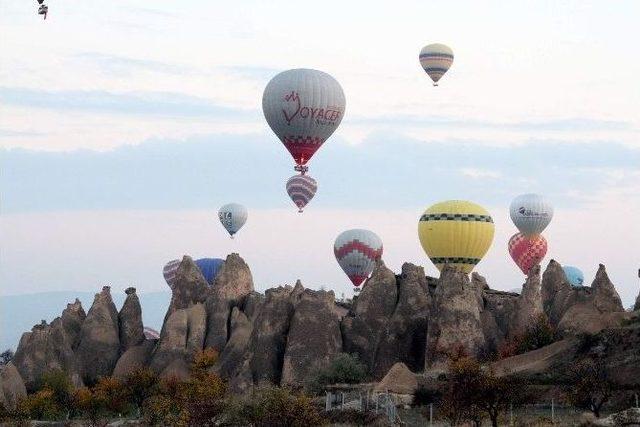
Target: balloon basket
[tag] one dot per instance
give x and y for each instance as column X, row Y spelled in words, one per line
column 356, row 290
column 300, row 211
column 435, row 84
column 232, row 237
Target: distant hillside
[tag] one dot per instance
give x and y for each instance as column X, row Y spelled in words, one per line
column 18, row 313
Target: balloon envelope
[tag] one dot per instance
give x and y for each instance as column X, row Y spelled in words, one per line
column 436, row 59
column 209, row 268
column 301, row 189
column 527, row 251
column 232, row 216
column 357, row 252
column 575, row 276
column 303, row 107
column 169, row 271
column 456, row 232
column 531, row 213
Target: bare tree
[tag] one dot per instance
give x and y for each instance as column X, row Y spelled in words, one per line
column 588, row 385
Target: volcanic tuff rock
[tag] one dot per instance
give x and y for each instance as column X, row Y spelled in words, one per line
column 99, row 346
column 636, row 306
column 314, row 330
column 232, row 356
column 135, row 357
column 528, row 306
column 455, row 319
column 232, row 284
column 190, row 287
column 130, row 321
column 268, row 340
column 11, row 386
column 72, row 318
column 45, row 348
column 182, row 335
column 405, row 334
column 582, row 309
column 365, row 324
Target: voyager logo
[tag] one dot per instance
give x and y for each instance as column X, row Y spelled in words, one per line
column 528, row 212
column 322, row 116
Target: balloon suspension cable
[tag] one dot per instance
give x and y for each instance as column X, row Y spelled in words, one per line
column 301, row 168
column 435, row 84
column 232, row 236
column 300, row 210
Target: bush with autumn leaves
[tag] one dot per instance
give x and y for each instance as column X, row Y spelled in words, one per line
column 199, row 401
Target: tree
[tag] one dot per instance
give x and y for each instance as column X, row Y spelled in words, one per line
column 539, row 334
column 344, row 369
column 6, row 356
column 496, row 394
column 459, row 401
column 114, row 394
column 59, row 382
column 588, row 385
column 140, row 385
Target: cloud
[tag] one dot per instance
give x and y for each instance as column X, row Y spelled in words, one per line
column 145, row 103
column 209, row 170
column 480, row 173
column 118, row 65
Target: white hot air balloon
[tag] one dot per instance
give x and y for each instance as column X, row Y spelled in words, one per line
column 357, row 252
column 531, row 213
column 232, row 216
column 303, row 107
column 435, row 60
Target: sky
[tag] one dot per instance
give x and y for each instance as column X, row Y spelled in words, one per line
column 124, row 126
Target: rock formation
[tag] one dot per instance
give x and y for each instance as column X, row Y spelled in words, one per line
column 233, row 283
column 99, row 343
column 365, row 324
column 636, row 306
column 182, row 335
column 582, row 309
column 130, row 321
column 314, row 330
column 12, row 387
column 45, row 348
column 405, row 334
column 455, row 322
column 396, row 324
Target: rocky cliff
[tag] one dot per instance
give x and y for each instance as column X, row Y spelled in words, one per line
column 290, row 332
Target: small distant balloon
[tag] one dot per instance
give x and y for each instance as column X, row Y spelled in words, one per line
column 301, row 189
column 232, row 216
column 527, row 251
column 436, row 59
column 531, row 213
column 357, row 252
column 169, row 271
column 575, row 276
column 209, row 267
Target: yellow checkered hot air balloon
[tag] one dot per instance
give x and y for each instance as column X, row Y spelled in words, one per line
column 456, row 232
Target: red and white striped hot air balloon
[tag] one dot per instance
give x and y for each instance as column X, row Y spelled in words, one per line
column 301, row 189
column 527, row 251
column 357, row 252
column 169, row 271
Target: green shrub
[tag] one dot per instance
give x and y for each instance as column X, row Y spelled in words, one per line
column 59, row 382
column 343, row 369
column 41, row 405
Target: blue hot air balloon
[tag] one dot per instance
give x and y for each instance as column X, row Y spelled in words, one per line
column 209, row 268
column 575, row 277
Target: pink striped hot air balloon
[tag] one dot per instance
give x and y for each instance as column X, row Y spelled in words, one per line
column 301, row 189
column 357, row 252
column 527, row 252
column 169, row 271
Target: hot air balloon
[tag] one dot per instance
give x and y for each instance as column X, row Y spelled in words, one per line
column 303, row 108
column 527, row 251
column 209, row 268
column 301, row 189
column 357, row 252
column 575, row 277
column 531, row 213
column 169, row 271
column 436, row 59
column 232, row 216
column 457, row 233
